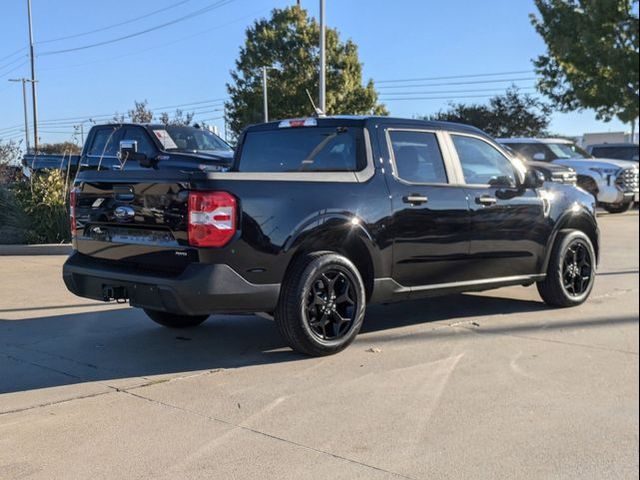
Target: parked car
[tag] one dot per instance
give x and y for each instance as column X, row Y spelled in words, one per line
column 614, row 183
column 162, row 146
column 619, row 151
column 552, row 172
column 319, row 217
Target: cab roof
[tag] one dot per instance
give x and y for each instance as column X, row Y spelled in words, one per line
column 361, row 120
column 534, row 140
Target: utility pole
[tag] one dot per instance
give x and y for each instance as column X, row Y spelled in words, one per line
column 33, row 81
column 323, row 59
column 24, row 106
column 81, row 128
column 265, row 101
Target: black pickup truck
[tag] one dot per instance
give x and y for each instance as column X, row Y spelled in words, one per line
column 163, row 146
column 319, row 217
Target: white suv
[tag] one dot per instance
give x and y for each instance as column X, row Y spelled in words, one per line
column 614, row 183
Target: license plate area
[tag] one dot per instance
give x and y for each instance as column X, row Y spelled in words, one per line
column 133, row 236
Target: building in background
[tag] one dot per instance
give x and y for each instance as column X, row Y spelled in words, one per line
column 607, row 137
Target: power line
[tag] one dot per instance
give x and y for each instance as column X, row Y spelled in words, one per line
column 194, row 14
column 439, row 98
column 71, row 121
column 14, row 53
column 475, row 82
column 435, row 92
column 4, row 74
column 470, row 75
column 11, row 62
column 119, row 24
column 156, row 46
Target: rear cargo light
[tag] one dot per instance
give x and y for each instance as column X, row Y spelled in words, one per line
column 298, row 122
column 73, row 198
column 212, row 218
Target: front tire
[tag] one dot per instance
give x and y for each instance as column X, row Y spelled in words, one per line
column 173, row 320
column 571, row 271
column 322, row 304
column 617, row 207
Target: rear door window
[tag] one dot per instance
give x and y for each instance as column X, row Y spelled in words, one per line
column 304, row 149
column 105, row 142
column 417, row 157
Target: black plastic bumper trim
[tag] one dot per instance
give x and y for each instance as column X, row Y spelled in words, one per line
column 200, row 289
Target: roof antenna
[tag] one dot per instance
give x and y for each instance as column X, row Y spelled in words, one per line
column 316, row 110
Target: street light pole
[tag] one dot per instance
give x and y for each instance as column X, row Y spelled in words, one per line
column 323, row 59
column 24, row 106
column 33, row 81
column 265, row 101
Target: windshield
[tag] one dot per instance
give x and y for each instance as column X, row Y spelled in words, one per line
column 189, row 139
column 567, row 150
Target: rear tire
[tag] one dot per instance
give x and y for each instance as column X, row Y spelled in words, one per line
column 173, row 320
column 322, row 304
column 617, row 207
column 571, row 271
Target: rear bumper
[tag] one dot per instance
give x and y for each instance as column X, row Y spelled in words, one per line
column 200, row 289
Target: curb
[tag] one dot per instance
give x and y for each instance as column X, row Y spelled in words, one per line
column 43, row 249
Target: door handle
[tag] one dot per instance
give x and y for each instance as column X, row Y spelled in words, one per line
column 486, row 200
column 415, row 199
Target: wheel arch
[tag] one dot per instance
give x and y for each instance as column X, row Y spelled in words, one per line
column 344, row 234
column 582, row 221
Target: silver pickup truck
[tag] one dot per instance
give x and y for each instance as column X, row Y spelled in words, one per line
column 614, row 183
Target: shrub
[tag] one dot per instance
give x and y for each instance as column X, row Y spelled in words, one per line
column 44, row 202
column 13, row 220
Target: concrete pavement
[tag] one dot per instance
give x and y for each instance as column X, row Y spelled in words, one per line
column 488, row 385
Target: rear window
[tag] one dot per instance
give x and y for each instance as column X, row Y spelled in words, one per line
column 316, row 149
column 105, row 142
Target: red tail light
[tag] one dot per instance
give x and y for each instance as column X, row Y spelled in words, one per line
column 212, row 218
column 72, row 211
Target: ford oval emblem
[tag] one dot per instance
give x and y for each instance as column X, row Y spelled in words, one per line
column 124, row 213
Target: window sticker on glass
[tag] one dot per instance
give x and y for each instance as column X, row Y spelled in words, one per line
column 165, row 139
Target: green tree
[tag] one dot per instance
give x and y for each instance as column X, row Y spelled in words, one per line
column 288, row 42
column 141, row 113
column 10, row 154
column 509, row 115
column 179, row 118
column 592, row 57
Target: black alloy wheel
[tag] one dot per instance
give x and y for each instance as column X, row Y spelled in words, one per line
column 331, row 304
column 571, row 271
column 577, row 268
column 322, row 304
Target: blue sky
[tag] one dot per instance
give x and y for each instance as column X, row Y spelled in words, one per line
column 189, row 62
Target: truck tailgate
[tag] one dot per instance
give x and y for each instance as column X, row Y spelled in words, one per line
column 135, row 219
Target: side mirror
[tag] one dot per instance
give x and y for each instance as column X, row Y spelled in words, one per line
column 539, row 157
column 129, row 151
column 502, row 181
column 533, row 179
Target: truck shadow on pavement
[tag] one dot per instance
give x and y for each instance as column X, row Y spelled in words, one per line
column 123, row 343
